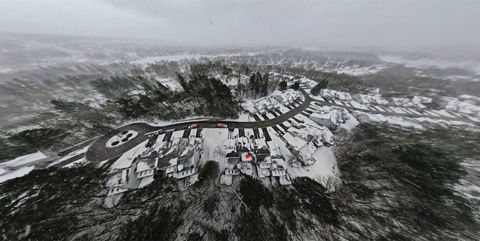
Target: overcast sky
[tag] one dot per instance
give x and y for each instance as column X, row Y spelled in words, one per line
column 357, row 23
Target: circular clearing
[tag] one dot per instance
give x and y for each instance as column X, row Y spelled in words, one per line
column 121, row 138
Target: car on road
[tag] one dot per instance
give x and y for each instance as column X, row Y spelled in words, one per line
column 221, row 125
column 193, row 126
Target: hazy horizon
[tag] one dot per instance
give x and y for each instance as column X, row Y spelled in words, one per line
column 344, row 25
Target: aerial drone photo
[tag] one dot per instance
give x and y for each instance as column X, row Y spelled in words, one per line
column 239, row 120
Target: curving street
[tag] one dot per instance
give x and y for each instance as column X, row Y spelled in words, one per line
column 99, row 152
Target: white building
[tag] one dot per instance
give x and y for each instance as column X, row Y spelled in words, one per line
column 370, row 99
column 328, row 119
column 333, row 94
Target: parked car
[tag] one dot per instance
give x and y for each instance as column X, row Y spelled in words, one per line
column 222, row 125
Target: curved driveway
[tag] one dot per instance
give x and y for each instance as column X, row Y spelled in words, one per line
column 99, row 152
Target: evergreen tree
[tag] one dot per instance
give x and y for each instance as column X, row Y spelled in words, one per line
column 318, row 87
column 183, row 82
column 296, row 85
column 282, row 85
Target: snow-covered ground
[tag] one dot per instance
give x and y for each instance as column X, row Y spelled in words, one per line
column 23, row 160
column 242, row 117
column 466, row 106
column 356, row 70
column 469, row 187
column 394, row 121
column 324, row 167
column 214, row 139
column 20, row 166
column 443, row 123
column 423, row 63
column 69, row 155
column 126, row 159
column 17, row 173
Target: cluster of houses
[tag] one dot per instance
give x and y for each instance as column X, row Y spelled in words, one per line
column 304, row 141
column 379, row 119
column 308, row 83
column 254, row 157
column 370, row 99
column 376, row 99
column 463, row 104
column 283, row 77
column 176, row 157
column 272, row 101
column 416, row 101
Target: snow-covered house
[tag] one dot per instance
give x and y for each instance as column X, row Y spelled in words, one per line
column 308, row 82
column 370, row 99
column 405, row 102
column 116, row 181
column 187, row 162
column 286, row 97
column 309, row 133
column 421, row 100
column 181, row 161
column 145, row 168
column 333, row 94
column 330, row 116
column 328, row 119
column 265, row 104
column 306, row 154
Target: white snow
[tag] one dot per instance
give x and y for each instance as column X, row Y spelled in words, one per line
column 126, row 159
column 77, row 162
column 170, row 83
column 431, row 62
column 429, row 112
column 26, row 159
column 357, row 105
column 17, row 173
column 244, row 117
column 466, row 107
column 68, row 156
column 388, row 120
column 214, row 140
column 442, row 122
column 350, row 123
column 334, row 94
column 444, row 113
column 359, row 71
column 145, row 181
column 325, row 165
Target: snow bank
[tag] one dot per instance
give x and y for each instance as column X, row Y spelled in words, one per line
column 69, row 155
column 26, row 159
column 17, row 173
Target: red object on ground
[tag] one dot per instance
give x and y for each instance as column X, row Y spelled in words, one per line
column 247, row 156
column 221, row 125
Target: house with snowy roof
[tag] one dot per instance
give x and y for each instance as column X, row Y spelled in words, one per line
column 333, row 94
column 116, row 181
column 145, row 168
column 370, row 99
column 328, row 119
